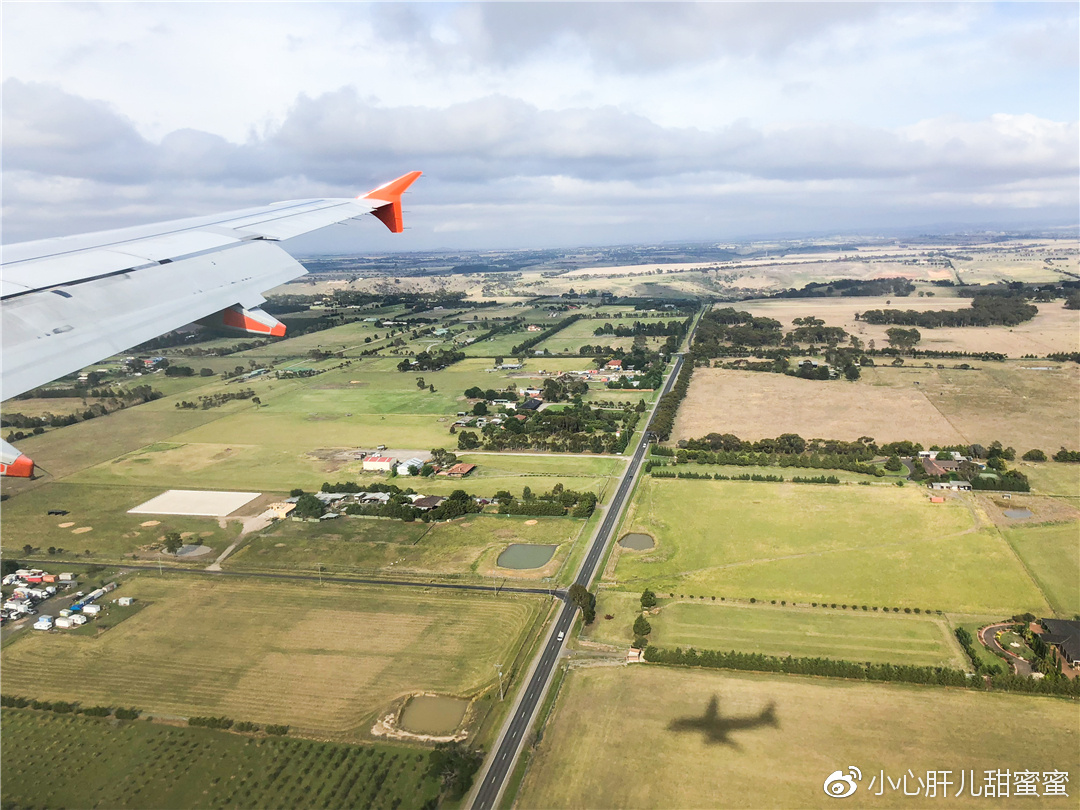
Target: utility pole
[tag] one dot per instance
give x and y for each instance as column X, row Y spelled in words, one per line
column 499, row 668
column 320, row 573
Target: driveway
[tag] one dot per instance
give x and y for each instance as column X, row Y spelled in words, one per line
column 987, row 636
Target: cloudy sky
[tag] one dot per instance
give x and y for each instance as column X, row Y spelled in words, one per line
column 544, row 124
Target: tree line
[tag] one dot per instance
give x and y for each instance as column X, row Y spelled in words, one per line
column 540, row 337
column 985, row 310
column 901, row 673
column 663, row 421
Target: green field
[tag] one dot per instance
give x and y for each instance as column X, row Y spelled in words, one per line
column 1052, row 478
column 326, row 660
column 800, row 632
column 610, row 737
column 113, row 534
column 465, row 547
column 140, row 765
column 880, row 546
column 1052, row 554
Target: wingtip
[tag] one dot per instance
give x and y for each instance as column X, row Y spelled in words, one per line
column 392, row 191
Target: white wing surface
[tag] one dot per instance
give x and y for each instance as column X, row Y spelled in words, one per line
column 71, row 301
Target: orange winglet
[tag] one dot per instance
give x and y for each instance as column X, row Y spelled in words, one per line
column 390, row 193
column 21, row 467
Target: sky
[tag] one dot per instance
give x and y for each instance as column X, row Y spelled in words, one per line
column 544, row 124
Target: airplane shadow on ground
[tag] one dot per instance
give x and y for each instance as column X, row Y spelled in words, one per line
column 717, row 729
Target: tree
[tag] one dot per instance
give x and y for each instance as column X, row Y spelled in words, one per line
column 903, row 339
column 480, row 409
column 206, row 372
column 308, row 506
column 894, row 464
column 851, row 372
column 585, row 601
column 498, row 361
column 173, row 542
column 648, row 599
column 454, row 765
column 642, row 626
column 28, row 549
column 467, row 440
column 431, row 388
column 1034, row 455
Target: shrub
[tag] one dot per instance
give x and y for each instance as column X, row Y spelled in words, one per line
column 277, row 730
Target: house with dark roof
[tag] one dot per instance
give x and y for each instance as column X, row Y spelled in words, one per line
column 531, row 404
column 1065, row 636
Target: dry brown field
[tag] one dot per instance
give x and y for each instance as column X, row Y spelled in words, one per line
column 1054, row 329
column 610, row 741
column 1020, row 407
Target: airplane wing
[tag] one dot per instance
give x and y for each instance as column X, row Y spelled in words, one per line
column 71, row 301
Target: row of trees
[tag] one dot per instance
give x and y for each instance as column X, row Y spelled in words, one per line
column 985, row 310
column 663, row 421
column 540, row 337
column 219, row 399
column 554, row 503
column 939, row 676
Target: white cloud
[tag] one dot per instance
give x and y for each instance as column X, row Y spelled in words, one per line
column 544, row 120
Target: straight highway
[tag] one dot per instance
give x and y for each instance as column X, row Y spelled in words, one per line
column 501, row 761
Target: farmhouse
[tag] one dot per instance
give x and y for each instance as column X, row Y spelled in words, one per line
column 378, row 464
column 426, row 502
column 613, row 365
column 459, row 470
column 935, row 467
column 1065, row 636
column 531, row 404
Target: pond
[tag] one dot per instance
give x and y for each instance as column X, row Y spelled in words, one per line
column 433, row 714
column 525, row 555
column 637, row 542
column 1018, row 514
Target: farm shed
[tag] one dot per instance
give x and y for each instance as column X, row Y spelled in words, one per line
column 124, row 601
column 281, row 510
column 405, row 467
column 378, row 464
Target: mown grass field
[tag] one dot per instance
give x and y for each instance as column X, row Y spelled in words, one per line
column 1052, row 554
column 1052, row 478
column 113, row 532
column 884, row 546
column 325, row 660
column 465, row 547
column 139, row 765
column 802, row 632
column 609, row 736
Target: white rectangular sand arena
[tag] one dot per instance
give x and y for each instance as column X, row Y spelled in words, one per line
column 203, row 503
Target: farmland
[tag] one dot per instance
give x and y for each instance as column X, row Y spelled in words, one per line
column 820, row 726
column 465, row 547
column 880, row 546
column 1052, row 555
column 1002, row 402
column 780, row 631
column 137, row 765
column 1054, row 329
column 239, row 649
column 113, row 533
